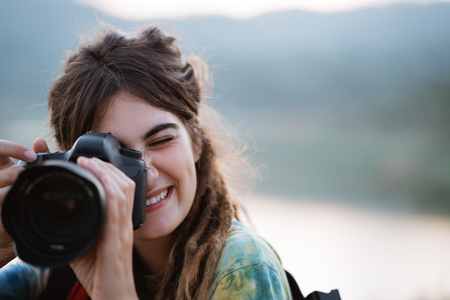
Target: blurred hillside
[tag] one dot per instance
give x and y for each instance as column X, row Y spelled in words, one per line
column 350, row 107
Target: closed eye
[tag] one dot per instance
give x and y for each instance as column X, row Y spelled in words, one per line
column 161, row 142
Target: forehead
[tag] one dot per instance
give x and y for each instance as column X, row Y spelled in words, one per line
column 130, row 118
column 125, row 109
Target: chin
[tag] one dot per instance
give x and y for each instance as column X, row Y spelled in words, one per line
column 154, row 229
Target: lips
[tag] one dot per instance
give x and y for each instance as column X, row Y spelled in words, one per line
column 157, row 196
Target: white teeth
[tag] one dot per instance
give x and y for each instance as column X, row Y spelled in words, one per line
column 158, row 198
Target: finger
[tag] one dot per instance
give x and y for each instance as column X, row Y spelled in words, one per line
column 94, row 165
column 123, row 180
column 97, row 166
column 119, row 225
column 119, row 181
column 126, row 186
column 118, row 214
column 100, row 170
column 9, row 175
column 119, row 191
column 118, row 187
column 3, row 192
column 10, row 149
column 40, row 145
column 114, row 194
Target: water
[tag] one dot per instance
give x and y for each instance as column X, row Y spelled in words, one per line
column 366, row 254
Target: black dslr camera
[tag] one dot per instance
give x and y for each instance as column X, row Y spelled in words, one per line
column 55, row 210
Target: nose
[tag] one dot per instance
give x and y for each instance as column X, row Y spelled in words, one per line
column 152, row 175
column 152, row 171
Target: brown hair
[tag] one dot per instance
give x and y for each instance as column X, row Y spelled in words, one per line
column 150, row 66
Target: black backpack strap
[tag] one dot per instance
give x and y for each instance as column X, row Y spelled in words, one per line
column 60, row 283
column 297, row 294
column 295, row 290
column 333, row 295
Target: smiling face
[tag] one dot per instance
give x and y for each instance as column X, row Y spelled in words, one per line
column 167, row 148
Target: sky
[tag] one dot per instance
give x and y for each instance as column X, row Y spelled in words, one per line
column 237, row 9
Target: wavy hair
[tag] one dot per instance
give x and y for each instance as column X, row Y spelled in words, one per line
column 150, row 66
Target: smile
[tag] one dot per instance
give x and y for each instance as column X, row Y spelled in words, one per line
column 156, row 199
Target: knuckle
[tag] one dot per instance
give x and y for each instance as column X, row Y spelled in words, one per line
column 128, row 238
column 122, row 196
column 113, row 216
column 131, row 184
column 131, row 187
column 6, row 162
column 126, row 183
column 3, row 192
column 9, row 175
column 104, row 178
column 16, row 170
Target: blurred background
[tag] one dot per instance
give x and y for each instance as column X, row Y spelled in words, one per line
column 345, row 103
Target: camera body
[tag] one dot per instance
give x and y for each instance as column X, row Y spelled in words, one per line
column 106, row 147
column 56, row 209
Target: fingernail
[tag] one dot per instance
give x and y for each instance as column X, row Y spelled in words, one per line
column 81, row 160
column 94, row 164
column 30, row 155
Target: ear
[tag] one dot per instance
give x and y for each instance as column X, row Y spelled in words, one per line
column 197, row 142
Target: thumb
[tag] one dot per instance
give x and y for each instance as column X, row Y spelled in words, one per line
column 40, row 145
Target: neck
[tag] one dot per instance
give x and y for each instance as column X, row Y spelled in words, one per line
column 154, row 254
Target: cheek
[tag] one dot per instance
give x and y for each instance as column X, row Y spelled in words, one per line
column 178, row 164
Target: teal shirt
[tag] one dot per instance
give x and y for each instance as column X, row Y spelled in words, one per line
column 19, row 280
column 248, row 268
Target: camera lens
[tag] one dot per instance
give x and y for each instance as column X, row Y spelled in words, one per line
column 62, row 208
column 58, row 211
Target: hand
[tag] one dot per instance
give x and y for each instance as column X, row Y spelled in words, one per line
column 106, row 271
column 9, row 172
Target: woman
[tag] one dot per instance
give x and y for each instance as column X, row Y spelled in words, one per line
column 191, row 245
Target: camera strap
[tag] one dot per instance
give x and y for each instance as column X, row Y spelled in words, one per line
column 295, row 290
column 64, row 285
column 297, row 294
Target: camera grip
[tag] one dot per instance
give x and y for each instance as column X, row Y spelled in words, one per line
column 140, row 197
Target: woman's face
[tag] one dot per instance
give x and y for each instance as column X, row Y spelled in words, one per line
column 167, row 148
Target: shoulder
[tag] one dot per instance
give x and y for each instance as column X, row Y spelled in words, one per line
column 249, row 268
column 19, row 280
column 244, row 247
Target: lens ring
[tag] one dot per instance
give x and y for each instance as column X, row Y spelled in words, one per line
column 59, row 212
column 47, row 195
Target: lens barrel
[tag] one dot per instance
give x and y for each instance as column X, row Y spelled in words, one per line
column 54, row 213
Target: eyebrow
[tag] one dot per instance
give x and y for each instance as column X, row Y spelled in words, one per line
column 158, row 128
